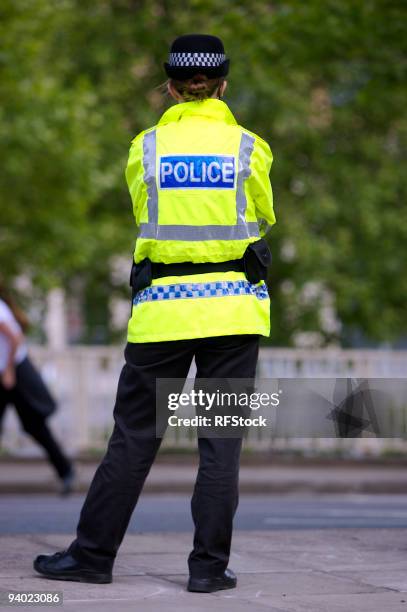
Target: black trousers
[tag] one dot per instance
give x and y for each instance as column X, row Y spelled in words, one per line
column 133, row 445
column 30, row 396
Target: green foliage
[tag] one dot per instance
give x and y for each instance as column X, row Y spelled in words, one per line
column 322, row 81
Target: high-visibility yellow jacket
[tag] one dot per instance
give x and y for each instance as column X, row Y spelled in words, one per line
column 201, row 192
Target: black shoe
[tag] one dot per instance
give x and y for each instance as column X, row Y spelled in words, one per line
column 62, row 566
column 68, row 483
column 209, row 585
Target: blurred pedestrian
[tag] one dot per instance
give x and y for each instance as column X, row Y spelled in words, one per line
column 22, row 386
column 202, row 199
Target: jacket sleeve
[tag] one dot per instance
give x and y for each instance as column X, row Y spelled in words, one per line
column 135, row 176
column 259, row 184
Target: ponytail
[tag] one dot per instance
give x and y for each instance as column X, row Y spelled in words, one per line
column 198, row 87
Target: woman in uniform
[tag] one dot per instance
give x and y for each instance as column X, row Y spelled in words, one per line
column 202, row 199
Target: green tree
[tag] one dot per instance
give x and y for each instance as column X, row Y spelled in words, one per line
column 323, row 82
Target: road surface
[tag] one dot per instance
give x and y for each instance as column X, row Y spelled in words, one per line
column 164, row 513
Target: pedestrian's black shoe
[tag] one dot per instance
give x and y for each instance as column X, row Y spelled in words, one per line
column 209, row 585
column 62, row 566
column 68, row 483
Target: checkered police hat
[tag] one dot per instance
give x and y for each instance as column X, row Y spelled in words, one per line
column 197, row 54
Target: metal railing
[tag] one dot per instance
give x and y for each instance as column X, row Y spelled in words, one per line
column 84, row 381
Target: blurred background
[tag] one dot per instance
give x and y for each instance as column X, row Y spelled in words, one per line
column 323, row 82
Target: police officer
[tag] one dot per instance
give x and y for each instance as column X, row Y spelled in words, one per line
column 202, row 200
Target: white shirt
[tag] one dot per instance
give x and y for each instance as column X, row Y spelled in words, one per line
column 7, row 317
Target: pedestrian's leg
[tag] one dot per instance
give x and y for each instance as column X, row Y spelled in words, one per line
column 4, row 400
column 32, row 400
column 133, row 445
column 36, row 426
column 215, row 498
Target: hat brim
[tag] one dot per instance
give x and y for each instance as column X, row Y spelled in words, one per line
column 182, row 73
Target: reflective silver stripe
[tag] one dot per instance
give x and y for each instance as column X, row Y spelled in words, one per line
column 245, row 153
column 199, row 232
column 150, row 174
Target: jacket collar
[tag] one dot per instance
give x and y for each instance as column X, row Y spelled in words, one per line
column 210, row 108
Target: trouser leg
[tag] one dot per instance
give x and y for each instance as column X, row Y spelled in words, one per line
column 36, row 426
column 132, row 448
column 215, row 498
column 214, row 504
column 4, row 400
column 38, row 429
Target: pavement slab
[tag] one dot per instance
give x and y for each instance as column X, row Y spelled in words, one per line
column 390, row 578
column 365, row 602
column 317, row 570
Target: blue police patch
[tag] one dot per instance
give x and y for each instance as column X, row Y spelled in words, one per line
column 192, row 171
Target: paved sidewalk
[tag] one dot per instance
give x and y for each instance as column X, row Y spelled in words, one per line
column 339, row 570
column 37, row 477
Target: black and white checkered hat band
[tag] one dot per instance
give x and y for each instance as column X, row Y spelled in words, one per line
column 197, row 59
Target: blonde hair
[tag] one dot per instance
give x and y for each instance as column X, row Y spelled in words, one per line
column 199, row 87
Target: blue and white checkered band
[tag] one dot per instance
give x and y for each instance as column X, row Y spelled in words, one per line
column 182, row 291
column 196, row 59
